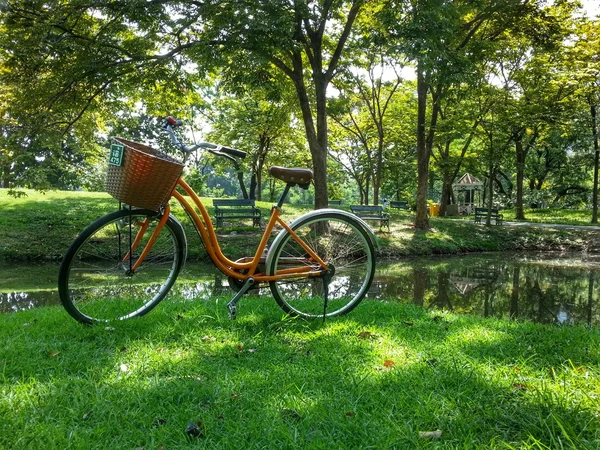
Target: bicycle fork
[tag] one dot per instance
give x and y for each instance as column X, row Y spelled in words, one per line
column 151, row 241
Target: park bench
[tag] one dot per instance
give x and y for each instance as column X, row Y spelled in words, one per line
column 226, row 209
column 481, row 213
column 400, row 204
column 334, row 202
column 372, row 212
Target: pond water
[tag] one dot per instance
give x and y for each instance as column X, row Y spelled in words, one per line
column 560, row 289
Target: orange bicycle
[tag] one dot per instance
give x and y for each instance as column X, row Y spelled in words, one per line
column 123, row 264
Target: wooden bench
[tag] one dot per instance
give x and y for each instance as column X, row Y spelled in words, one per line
column 482, row 213
column 372, row 212
column 334, row 202
column 236, row 209
column 400, row 204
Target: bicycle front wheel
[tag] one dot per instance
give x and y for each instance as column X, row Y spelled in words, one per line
column 344, row 245
column 97, row 282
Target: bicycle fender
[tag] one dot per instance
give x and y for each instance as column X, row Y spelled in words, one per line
column 317, row 213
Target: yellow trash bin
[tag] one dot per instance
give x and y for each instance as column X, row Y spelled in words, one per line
column 434, row 209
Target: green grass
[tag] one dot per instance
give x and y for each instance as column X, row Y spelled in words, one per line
column 41, row 227
column 374, row 379
column 558, row 216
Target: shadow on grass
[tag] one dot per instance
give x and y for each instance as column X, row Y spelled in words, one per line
column 373, row 379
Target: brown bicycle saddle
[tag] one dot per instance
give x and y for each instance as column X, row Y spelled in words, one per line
column 292, row 175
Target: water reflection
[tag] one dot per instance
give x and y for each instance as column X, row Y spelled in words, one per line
column 537, row 287
column 17, row 301
column 540, row 287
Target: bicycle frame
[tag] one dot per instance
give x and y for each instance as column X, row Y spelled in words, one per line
column 209, row 237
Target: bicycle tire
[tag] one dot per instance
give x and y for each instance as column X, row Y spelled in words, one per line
column 95, row 282
column 344, row 244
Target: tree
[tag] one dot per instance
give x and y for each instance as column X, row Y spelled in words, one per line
column 447, row 40
column 583, row 57
column 304, row 40
column 252, row 122
column 366, row 92
column 93, row 53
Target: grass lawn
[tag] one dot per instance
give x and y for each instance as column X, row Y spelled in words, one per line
column 382, row 377
column 42, row 225
column 559, row 216
column 389, row 375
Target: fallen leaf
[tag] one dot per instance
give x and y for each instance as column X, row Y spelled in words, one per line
column 517, row 369
column 366, row 335
column 350, row 414
column 160, row 350
column 408, row 324
column 389, row 363
column 430, row 434
column 109, row 328
column 519, row 387
column 235, row 396
column 123, row 349
column 220, row 417
column 240, row 348
column 53, row 354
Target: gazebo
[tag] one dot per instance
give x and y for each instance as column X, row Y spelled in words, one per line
column 467, row 190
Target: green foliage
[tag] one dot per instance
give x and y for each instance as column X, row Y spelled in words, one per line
column 498, row 74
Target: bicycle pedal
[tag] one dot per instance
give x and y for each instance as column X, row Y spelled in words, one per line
column 232, row 311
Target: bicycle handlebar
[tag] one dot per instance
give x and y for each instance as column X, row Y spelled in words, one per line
column 215, row 149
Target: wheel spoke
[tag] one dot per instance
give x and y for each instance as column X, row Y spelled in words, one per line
column 347, row 250
column 95, row 282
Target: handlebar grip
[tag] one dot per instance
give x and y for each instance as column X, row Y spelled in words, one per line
column 233, row 152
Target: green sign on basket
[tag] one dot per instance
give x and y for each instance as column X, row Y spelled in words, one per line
column 116, row 155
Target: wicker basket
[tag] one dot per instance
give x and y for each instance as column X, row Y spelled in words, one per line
column 146, row 177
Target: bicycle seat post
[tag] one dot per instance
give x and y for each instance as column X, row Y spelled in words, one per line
column 284, row 194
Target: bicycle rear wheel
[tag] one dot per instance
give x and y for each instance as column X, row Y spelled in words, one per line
column 96, row 282
column 344, row 245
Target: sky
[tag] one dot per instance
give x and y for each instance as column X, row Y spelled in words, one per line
column 592, row 7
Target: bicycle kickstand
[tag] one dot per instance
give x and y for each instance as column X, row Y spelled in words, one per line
column 232, row 304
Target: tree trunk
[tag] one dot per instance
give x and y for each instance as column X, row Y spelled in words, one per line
column 520, row 158
column 259, row 184
column 6, row 176
column 446, row 192
column 596, row 162
column 421, row 219
column 490, row 200
column 316, row 137
column 378, row 167
column 253, row 186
